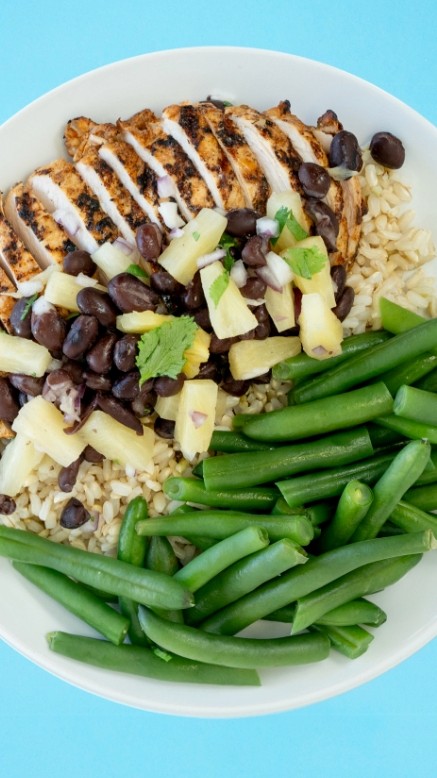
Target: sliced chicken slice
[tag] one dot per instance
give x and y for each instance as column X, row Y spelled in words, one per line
column 272, row 148
column 17, row 262
column 167, row 158
column 113, row 197
column 44, row 238
column 82, row 131
column 187, row 124
column 73, row 205
column 310, row 150
column 6, row 432
column 6, row 301
column 244, row 163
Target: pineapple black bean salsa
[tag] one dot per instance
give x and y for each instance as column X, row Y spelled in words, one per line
column 100, row 367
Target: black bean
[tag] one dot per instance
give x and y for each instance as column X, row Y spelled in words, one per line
column 74, row 514
column 91, row 455
column 297, row 301
column 131, row 294
column 325, row 222
column 315, row 179
column 23, row 398
column 261, row 313
column 338, row 275
column 236, row 388
column 7, row 505
column 164, row 427
column 56, row 385
column 247, row 335
column 74, row 370
column 82, row 335
column 149, row 240
column 345, row 151
column 263, row 330
column 254, row 252
column 97, row 381
column 264, row 378
column 144, row 403
column 125, row 352
column 21, row 318
column 86, row 412
column 119, row 412
column 254, row 288
column 97, row 303
column 68, row 475
column 344, row 304
column 220, row 345
column 242, row 222
column 99, row 357
column 79, row 261
column 49, row 329
column 193, row 296
column 167, row 387
column 209, row 370
column 202, row 319
column 9, row 406
column 27, row 383
column 387, row 150
column 127, row 387
column 164, row 283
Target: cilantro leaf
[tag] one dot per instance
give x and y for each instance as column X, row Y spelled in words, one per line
column 286, row 218
column 161, row 350
column 228, row 242
column 27, row 308
column 305, row 262
column 218, row 287
column 136, row 270
column 196, row 235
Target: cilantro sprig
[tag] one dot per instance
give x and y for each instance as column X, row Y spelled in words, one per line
column 137, row 271
column 305, row 262
column 27, row 308
column 219, row 286
column 228, row 242
column 161, row 350
column 285, row 218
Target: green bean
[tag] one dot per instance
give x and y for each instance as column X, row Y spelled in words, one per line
column 144, row 662
column 302, row 366
column 402, row 473
column 112, row 575
column 233, row 651
column 359, row 611
column 355, row 500
column 244, row 576
column 194, row 490
column 409, row 373
column 318, row 512
column 366, row 580
column 322, row 415
column 161, row 557
column 231, row 442
column 78, row 600
column 412, row 519
column 423, row 497
column 396, row 319
column 380, row 437
column 220, row 556
column 428, row 382
column 255, row 467
column 131, row 548
column 351, row 641
column 221, row 524
column 303, row 489
column 371, row 363
column 410, row 429
column 416, row 404
column 317, row 572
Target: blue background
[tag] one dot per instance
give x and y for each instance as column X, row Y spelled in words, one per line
column 386, row 728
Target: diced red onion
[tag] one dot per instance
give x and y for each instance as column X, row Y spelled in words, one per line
column 198, row 418
column 279, row 267
column 170, row 214
column 83, row 280
column 239, row 273
column 42, row 306
column 175, row 233
column 29, row 288
column 269, row 278
column 165, row 186
column 319, row 351
column 208, row 259
column 70, row 403
column 125, row 247
column 267, row 228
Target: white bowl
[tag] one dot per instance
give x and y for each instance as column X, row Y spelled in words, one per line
column 259, row 78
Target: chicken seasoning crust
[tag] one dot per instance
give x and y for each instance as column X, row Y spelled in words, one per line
column 247, row 228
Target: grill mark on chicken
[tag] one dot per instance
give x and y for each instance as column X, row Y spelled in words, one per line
column 6, row 302
column 249, row 174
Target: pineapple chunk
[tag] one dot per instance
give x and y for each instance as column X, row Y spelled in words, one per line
column 111, row 260
column 195, row 417
column 280, row 307
column 321, row 332
column 197, row 353
column 293, row 202
column 167, row 407
column 231, row 316
column 139, row 322
column 320, row 282
column 200, row 236
column 19, row 355
column 251, row 358
column 41, row 421
column 117, row 442
column 62, row 290
column 19, row 458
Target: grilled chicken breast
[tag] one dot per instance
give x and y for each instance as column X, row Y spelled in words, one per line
column 41, row 235
column 73, row 205
column 187, row 124
column 17, row 262
column 6, row 301
column 245, row 165
column 272, row 148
